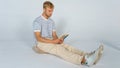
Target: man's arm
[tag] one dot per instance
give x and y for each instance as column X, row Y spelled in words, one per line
column 41, row 39
column 54, row 35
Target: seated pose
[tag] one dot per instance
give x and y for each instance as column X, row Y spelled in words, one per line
column 47, row 40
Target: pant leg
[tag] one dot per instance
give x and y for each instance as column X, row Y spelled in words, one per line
column 46, row 47
column 73, row 49
column 61, row 52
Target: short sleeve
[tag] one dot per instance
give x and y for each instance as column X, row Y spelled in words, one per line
column 36, row 27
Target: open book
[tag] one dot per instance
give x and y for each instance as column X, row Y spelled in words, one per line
column 63, row 36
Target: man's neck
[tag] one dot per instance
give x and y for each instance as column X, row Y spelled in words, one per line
column 44, row 17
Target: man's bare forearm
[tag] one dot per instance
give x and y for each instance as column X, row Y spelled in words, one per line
column 54, row 35
column 45, row 40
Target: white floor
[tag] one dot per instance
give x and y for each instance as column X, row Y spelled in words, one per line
column 20, row 55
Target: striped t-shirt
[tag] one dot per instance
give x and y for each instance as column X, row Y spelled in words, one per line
column 44, row 26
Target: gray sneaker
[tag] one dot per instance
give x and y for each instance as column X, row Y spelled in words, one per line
column 93, row 57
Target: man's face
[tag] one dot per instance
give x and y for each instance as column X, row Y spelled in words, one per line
column 48, row 11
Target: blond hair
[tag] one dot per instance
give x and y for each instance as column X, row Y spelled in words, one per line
column 48, row 4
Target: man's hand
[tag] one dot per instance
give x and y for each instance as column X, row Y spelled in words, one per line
column 58, row 41
column 61, row 41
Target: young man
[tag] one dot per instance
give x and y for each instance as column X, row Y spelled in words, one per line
column 48, row 41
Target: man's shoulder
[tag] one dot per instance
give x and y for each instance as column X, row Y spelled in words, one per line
column 38, row 19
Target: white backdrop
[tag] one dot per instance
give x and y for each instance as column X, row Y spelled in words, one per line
column 85, row 20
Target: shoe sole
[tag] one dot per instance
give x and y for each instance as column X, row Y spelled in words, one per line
column 99, row 54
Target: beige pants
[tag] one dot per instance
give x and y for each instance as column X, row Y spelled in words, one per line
column 63, row 51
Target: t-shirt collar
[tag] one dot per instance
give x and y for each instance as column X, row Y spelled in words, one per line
column 44, row 17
